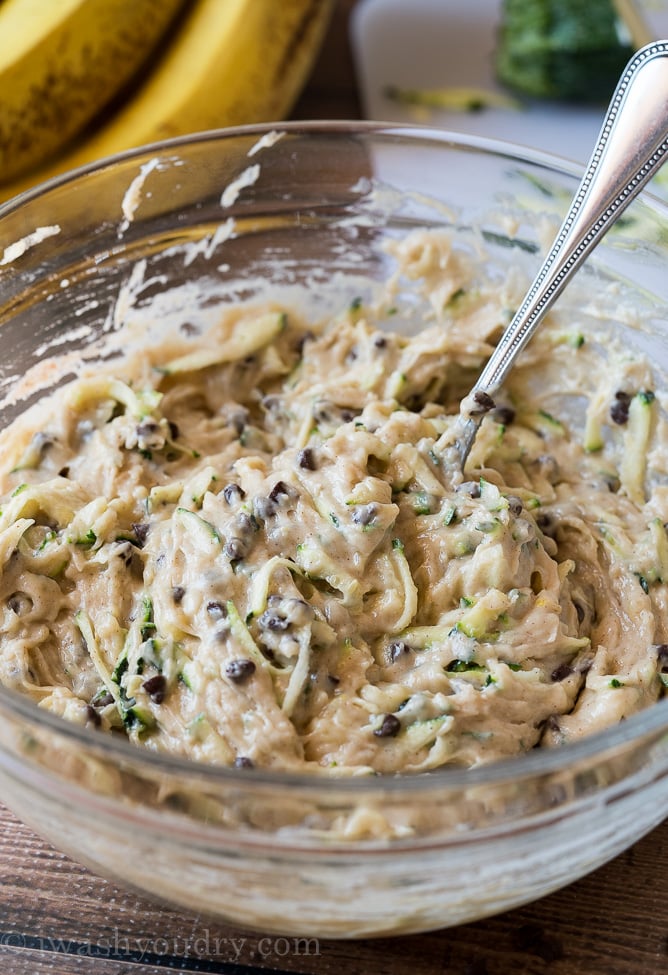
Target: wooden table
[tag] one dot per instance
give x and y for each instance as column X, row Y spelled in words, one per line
column 57, row 917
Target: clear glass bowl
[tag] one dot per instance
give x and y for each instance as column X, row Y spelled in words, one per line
column 300, row 855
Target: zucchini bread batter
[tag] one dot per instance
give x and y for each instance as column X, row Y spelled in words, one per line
column 247, row 546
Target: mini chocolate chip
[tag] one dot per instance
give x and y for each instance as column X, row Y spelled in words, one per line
column 363, row 514
column 156, row 688
column 264, row 508
column 272, row 621
column 280, row 489
column 515, row 505
column 619, row 411
column 235, row 549
column 397, row 649
column 662, row 656
column 20, row 603
column 303, row 339
column 246, row 525
column 92, row 716
column 240, row 670
column 504, row 415
column 545, row 522
column 549, row 467
column 483, row 401
column 321, row 413
column 216, row 610
column 233, row 493
column 64, row 472
column 561, row 672
column 612, row 482
column 141, row 533
column 472, row 488
column 178, row 592
column 380, row 341
column 272, row 403
column 242, row 761
column 306, row 459
column 389, row 728
column 103, row 700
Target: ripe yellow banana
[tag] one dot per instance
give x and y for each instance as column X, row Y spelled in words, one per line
column 232, row 62
column 61, row 61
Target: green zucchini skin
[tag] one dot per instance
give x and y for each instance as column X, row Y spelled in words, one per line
column 568, row 50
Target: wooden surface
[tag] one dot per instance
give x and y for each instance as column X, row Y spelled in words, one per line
column 57, row 917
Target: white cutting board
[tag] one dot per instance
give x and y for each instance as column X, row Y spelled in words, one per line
column 450, row 43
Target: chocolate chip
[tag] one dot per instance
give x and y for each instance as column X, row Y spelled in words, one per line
column 141, row 533
column 389, row 727
column 156, row 688
column 240, row 670
column 397, row 649
column 561, row 672
column 380, row 341
column 216, row 610
column 272, row 403
column 515, row 505
column 178, row 592
column 545, row 522
column 103, row 700
column 246, row 525
column 233, row 493
column 279, row 490
column 242, row 761
column 364, row 514
column 548, row 467
column 238, row 418
column 264, row 508
column 272, row 621
column 472, row 488
column 484, row 403
column 662, row 657
column 303, row 339
column 235, row 549
column 20, row 603
column 619, row 411
column 92, row 716
column 306, row 459
column 504, row 415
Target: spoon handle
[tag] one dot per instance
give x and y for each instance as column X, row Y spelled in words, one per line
column 630, row 149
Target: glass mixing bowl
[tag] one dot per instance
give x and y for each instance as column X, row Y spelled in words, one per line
column 147, row 236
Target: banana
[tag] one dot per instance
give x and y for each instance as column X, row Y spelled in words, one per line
column 232, row 62
column 61, row 61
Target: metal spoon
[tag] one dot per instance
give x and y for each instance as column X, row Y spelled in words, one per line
column 630, row 149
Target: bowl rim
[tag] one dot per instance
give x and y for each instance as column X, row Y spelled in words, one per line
column 647, row 723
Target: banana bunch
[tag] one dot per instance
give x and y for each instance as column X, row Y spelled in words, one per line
column 61, row 61
column 83, row 79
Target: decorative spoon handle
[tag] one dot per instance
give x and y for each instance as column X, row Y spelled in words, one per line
column 630, row 149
